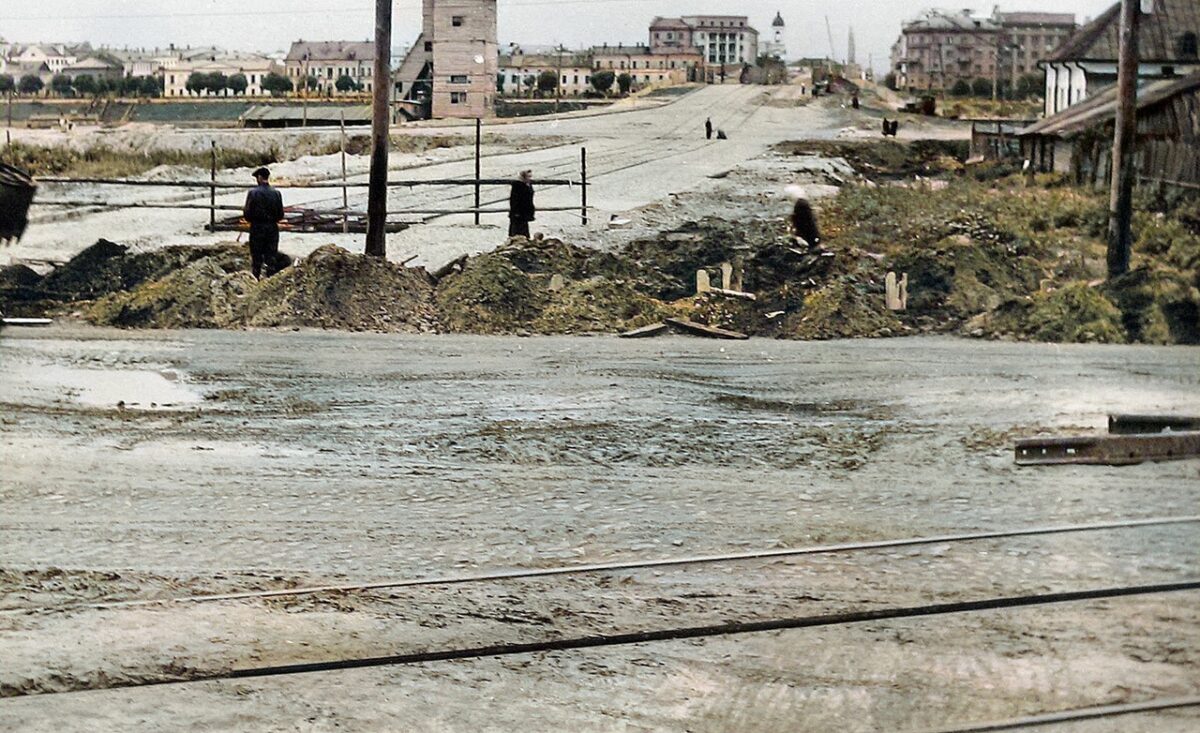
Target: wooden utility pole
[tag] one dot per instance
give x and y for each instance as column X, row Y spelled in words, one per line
column 377, row 192
column 478, row 168
column 1120, row 235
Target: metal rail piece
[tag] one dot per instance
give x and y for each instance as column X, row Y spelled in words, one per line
column 1146, row 424
column 1108, row 450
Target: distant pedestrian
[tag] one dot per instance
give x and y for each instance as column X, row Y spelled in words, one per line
column 521, row 210
column 264, row 210
column 708, row 129
column 804, row 222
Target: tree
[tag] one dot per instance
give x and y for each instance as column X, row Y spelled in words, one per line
column 1029, row 85
column 547, row 81
column 602, row 81
column 625, row 82
column 30, row 84
column 961, row 88
column 238, row 84
column 216, row 83
column 7, row 83
column 276, row 84
column 150, row 86
column 86, row 85
column 311, row 83
column 196, row 82
column 345, row 83
column 889, row 81
column 982, row 87
column 60, row 84
column 530, row 82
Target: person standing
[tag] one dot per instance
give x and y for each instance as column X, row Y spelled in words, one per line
column 264, row 210
column 521, row 210
column 708, row 129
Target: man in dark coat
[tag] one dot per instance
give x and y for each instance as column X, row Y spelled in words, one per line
column 708, row 129
column 521, row 210
column 264, row 210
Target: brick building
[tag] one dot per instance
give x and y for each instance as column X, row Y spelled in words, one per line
column 939, row 49
column 451, row 70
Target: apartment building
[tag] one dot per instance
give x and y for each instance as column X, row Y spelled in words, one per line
column 939, row 49
column 328, row 61
column 1028, row 38
column 519, row 72
column 254, row 68
column 719, row 39
column 668, row 65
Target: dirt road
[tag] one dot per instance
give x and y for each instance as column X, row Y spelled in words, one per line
column 160, row 465
column 636, row 158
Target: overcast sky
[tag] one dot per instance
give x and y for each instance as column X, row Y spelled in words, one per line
column 270, row 25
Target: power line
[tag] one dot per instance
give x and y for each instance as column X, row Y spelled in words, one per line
column 1064, row 716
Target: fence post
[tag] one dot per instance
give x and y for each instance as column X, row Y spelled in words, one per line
column 478, row 144
column 345, row 192
column 583, row 185
column 212, row 191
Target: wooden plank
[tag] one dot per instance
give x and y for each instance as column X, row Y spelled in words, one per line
column 733, row 294
column 654, row 329
column 700, row 329
column 1108, row 450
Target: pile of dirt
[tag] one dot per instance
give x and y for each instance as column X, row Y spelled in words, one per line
column 1157, row 306
column 883, row 160
column 336, row 289
column 845, row 308
column 18, row 290
column 106, row 268
column 1077, row 313
column 331, row 288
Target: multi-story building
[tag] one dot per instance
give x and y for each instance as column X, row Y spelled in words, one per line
column 254, row 68
column 720, row 39
column 451, row 70
column 100, row 66
column 1028, row 38
column 939, row 49
column 519, row 72
column 328, row 61
column 1087, row 61
column 56, row 56
column 668, row 65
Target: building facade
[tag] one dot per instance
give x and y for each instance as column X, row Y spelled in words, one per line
column 451, row 70
column 254, row 68
column 777, row 47
column 939, row 49
column 519, row 72
column 328, row 61
column 719, row 39
column 669, row 65
column 1087, row 61
column 1029, row 38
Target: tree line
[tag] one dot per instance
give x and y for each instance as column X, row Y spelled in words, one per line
column 84, row 85
column 546, row 83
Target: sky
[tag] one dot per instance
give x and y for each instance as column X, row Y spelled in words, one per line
column 271, row 25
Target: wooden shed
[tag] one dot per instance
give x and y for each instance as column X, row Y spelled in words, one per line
column 1078, row 141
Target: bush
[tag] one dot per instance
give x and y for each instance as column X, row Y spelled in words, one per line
column 7, row 83
column 30, row 84
column 346, row 83
column 238, row 83
column 981, row 87
column 602, row 81
column 60, row 84
column 962, row 88
column 625, row 82
column 277, row 84
column 547, row 81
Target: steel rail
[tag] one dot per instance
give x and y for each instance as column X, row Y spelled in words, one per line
column 637, row 564
column 400, row 183
column 642, row 637
column 1066, row 716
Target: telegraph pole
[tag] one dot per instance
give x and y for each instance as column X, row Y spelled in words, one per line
column 1120, row 235
column 377, row 191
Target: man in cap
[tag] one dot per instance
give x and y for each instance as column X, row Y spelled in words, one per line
column 264, row 210
column 521, row 210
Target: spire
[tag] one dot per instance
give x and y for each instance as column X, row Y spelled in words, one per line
column 778, row 22
column 850, row 48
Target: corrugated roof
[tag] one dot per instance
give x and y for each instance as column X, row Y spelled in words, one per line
column 1158, row 34
column 262, row 112
column 1103, row 107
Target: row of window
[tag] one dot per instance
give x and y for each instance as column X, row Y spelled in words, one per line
column 359, row 72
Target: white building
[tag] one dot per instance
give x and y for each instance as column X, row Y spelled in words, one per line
column 1087, row 62
column 777, row 47
column 254, row 68
column 328, row 61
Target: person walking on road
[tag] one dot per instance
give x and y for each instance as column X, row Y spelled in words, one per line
column 521, row 210
column 264, row 210
column 708, row 129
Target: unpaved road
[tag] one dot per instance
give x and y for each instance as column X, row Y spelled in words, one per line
column 636, row 158
column 260, row 460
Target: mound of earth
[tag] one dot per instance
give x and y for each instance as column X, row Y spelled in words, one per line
column 1158, row 306
column 597, row 305
column 336, row 289
column 845, row 308
column 106, row 268
column 331, row 288
column 1077, row 313
column 202, row 294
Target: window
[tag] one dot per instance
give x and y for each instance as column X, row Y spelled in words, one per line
column 459, row 79
column 458, row 97
column 1185, row 45
column 456, row 21
column 429, row 45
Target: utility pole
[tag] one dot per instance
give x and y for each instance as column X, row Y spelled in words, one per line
column 1120, row 236
column 558, row 79
column 377, row 191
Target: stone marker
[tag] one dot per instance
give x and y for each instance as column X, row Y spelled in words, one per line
column 726, row 276
column 897, row 292
column 557, row 283
column 703, row 284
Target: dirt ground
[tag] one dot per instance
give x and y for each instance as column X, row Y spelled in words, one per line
column 163, row 464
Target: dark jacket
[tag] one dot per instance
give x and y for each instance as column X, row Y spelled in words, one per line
column 264, row 208
column 520, row 202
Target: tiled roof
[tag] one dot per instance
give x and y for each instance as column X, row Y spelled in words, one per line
column 1158, row 34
